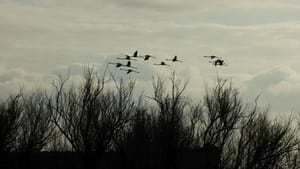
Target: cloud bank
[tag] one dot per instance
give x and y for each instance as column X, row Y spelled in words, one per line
column 258, row 39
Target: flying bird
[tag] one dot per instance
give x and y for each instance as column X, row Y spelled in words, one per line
column 135, row 54
column 147, row 57
column 219, row 62
column 127, row 58
column 129, row 65
column 161, row 64
column 130, row 70
column 117, row 64
column 174, row 59
column 213, row 57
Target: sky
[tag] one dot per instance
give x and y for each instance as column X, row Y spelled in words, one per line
column 258, row 39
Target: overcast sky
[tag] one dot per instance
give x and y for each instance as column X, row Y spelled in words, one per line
column 259, row 40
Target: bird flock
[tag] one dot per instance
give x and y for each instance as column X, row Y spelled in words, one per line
column 129, row 59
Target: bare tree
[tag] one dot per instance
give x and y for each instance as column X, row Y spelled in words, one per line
column 246, row 138
column 10, row 112
column 223, row 111
column 89, row 118
column 264, row 143
column 36, row 129
column 170, row 129
column 94, row 117
column 134, row 142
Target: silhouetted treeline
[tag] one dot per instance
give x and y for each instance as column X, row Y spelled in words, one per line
column 166, row 130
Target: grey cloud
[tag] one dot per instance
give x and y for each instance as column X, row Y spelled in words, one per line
column 48, row 37
column 163, row 6
column 279, row 87
column 270, row 78
column 205, row 5
column 17, row 75
column 77, row 68
column 11, row 81
column 159, row 5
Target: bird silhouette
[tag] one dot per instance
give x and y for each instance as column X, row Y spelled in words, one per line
column 174, row 59
column 129, row 65
column 117, row 64
column 213, row 57
column 218, row 62
column 130, row 70
column 127, row 58
column 161, row 64
column 147, row 57
column 135, row 54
